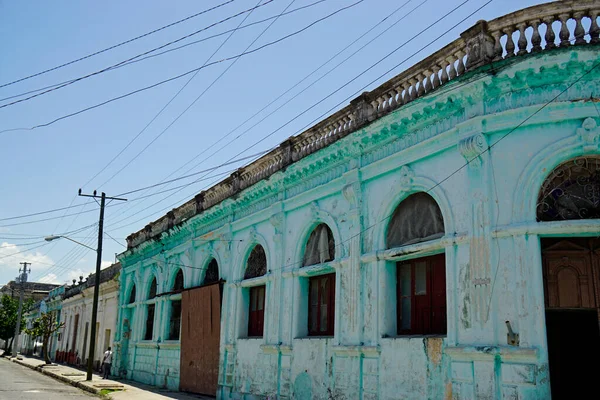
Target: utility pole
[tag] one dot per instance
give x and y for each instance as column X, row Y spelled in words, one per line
column 21, row 279
column 97, row 280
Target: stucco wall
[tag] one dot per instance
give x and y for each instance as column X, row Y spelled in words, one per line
column 491, row 245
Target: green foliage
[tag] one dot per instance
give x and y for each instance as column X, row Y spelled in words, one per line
column 44, row 327
column 9, row 308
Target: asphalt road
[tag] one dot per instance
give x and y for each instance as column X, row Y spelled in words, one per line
column 21, row 383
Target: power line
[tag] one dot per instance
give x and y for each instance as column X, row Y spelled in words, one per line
column 122, row 194
column 72, row 81
column 294, row 86
column 331, row 94
column 201, row 93
column 174, row 49
column 468, row 161
column 181, row 75
column 116, row 45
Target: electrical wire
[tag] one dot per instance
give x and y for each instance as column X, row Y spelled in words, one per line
column 335, row 91
column 445, row 179
column 116, row 45
column 72, row 81
column 297, row 94
column 125, row 193
column 113, row 99
column 174, row 49
column 201, row 93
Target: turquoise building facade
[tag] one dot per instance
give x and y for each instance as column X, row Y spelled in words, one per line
column 415, row 244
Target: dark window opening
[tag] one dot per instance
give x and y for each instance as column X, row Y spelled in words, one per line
column 149, row 322
column 321, row 307
column 320, row 247
column 212, row 272
column 421, row 296
column 178, row 285
column 175, row 321
column 256, row 318
column 417, row 219
column 257, row 263
column 152, row 293
column 571, row 191
column 132, row 295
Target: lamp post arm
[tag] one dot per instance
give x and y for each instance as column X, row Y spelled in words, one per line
column 79, row 243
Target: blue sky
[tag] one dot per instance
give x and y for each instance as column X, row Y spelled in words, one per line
column 42, row 169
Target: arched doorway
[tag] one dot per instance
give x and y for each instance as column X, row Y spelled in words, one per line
column 571, row 270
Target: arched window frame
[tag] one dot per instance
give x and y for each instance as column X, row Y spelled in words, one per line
column 151, row 308
column 211, row 267
column 173, row 328
column 318, row 283
column 254, row 291
column 416, row 279
column 570, row 191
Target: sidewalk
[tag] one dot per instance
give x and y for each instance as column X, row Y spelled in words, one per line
column 117, row 390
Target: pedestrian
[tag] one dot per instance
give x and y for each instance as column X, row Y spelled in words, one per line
column 106, row 363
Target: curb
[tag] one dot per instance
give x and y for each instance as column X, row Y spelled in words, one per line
column 77, row 384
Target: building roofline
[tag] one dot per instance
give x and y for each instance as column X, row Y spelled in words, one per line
column 476, row 47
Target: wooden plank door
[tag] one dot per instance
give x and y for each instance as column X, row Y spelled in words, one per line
column 200, row 337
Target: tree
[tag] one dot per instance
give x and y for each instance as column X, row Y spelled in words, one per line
column 45, row 326
column 9, row 308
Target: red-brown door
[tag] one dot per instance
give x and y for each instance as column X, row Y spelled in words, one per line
column 200, row 336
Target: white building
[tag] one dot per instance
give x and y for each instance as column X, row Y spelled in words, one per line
column 74, row 340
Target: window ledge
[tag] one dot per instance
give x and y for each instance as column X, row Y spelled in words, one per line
column 252, row 338
column 170, row 344
column 434, row 336
column 314, row 338
column 260, row 280
column 486, row 353
column 314, row 270
column 276, row 348
column 415, row 250
column 356, row 350
column 147, row 343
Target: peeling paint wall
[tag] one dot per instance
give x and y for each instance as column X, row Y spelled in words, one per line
column 491, row 245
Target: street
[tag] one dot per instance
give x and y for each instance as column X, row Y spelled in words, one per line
column 18, row 382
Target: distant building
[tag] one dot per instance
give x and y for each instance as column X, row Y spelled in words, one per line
column 76, row 312
column 33, row 290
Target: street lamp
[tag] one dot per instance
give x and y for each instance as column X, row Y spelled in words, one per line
column 54, row 237
column 98, row 251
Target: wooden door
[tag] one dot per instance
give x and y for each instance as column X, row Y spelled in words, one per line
column 200, row 338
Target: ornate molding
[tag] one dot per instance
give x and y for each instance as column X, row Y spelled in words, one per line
column 589, row 135
column 472, row 148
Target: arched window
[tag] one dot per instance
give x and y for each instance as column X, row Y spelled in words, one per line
column 257, row 263
column 212, row 272
column 571, row 191
column 417, row 219
column 132, row 294
column 320, row 247
column 420, row 282
column 175, row 318
column 178, row 285
column 152, row 292
column 151, row 309
column 256, row 266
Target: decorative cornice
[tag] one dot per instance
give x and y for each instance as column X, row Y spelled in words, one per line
column 477, row 47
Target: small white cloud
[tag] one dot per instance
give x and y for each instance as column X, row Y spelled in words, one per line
column 49, row 278
column 105, row 264
column 11, row 253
